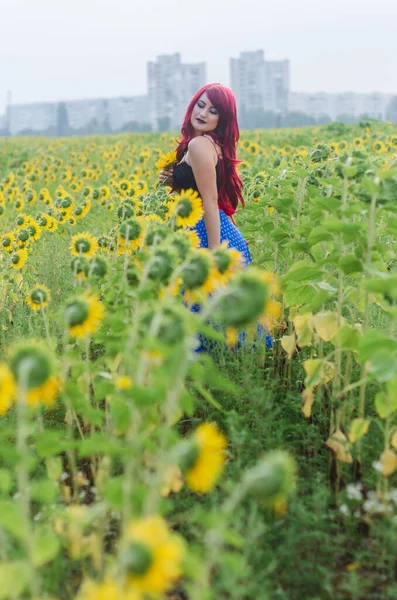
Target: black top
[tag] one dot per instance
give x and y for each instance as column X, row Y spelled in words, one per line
column 183, row 177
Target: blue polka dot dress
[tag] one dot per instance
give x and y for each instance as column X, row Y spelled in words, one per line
column 183, row 179
column 229, row 234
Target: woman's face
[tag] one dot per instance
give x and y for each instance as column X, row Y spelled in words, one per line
column 205, row 116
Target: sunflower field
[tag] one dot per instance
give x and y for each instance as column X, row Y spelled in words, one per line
column 134, row 466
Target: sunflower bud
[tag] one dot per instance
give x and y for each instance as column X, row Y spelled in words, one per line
column 133, row 275
column 130, row 230
column 170, row 329
column 6, row 242
column 79, row 264
column 125, row 211
column 156, row 235
column 161, row 266
column 196, row 272
column 245, row 302
column 96, row 267
column 136, row 559
column 222, row 259
column 30, row 365
column 23, row 235
column 273, row 479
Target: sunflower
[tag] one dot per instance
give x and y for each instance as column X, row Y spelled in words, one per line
column 7, row 242
column 2, row 210
column 202, row 457
column 39, row 296
column 166, row 160
column 340, row 146
column 7, row 388
column 52, row 223
column 227, row 260
column 123, row 382
column 187, row 208
column 125, row 186
column 83, row 243
column 379, row 146
column 393, row 141
column 151, row 556
column 34, row 230
column 33, row 370
column 130, row 234
column 193, row 237
column 107, row 590
column 19, row 204
column 104, row 191
column 199, row 277
column 22, row 220
column 231, row 337
column 358, row 142
column 253, row 149
column 78, row 212
column 87, row 191
column 18, row 258
column 246, row 299
column 22, row 238
column 83, row 315
column 140, row 187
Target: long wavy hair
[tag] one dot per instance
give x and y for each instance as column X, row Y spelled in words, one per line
column 226, row 135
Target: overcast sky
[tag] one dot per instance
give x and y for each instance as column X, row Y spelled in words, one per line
column 67, row 49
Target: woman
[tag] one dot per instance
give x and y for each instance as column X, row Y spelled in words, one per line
column 206, row 162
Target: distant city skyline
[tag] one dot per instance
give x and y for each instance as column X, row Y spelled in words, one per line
column 71, row 97
column 57, row 51
column 262, row 89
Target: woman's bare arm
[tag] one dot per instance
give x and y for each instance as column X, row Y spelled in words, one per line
column 202, row 156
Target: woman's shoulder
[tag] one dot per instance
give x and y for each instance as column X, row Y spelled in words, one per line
column 202, row 143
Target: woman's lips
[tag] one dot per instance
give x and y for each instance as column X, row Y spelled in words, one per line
column 200, row 121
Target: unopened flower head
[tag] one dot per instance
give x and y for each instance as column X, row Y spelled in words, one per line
column 272, row 480
column 131, row 233
column 161, row 265
column 245, row 301
column 96, row 267
column 198, row 275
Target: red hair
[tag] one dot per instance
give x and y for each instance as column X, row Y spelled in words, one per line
column 226, row 135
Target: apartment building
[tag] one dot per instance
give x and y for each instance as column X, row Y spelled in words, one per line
column 335, row 106
column 258, row 83
column 171, row 85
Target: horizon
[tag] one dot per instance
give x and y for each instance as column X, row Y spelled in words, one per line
column 102, row 50
column 86, row 99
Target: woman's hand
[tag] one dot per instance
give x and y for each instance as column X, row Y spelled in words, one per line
column 165, row 176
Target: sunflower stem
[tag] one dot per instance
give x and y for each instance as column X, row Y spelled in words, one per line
column 23, row 484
